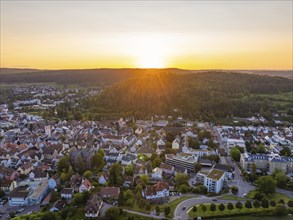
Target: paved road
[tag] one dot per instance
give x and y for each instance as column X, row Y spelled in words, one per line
column 285, row 192
column 180, row 214
column 6, row 209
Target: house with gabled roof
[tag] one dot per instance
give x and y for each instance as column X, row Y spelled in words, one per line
column 85, row 186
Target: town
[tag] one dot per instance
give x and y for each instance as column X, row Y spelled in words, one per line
column 163, row 167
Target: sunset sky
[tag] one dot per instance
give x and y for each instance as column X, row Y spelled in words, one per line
column 188, row 34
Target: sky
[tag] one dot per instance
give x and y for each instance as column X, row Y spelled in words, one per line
column 143, row 34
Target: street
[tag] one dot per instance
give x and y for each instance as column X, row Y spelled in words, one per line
column 180, row 214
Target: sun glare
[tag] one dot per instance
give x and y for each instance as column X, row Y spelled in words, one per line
column 150, row 52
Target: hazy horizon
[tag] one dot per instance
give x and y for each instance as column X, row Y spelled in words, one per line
column 191, row 35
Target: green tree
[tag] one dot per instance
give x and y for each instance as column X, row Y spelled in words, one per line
column 266, row 185
column 203, row 207
column 221, row 207
column 144, row 178
column 80, row 164
column 272, row 203
column 248, row 204
column 256, row 204
column 156, row 162
column 98, row 161
column 238, row 205
column 235, row 153
column 230, row 206
column 258, row 196
column 158, row 210
column 213, row 207
column 148, row 207
column 285, row 152
column 88, row 174
column 112, row 213
column 197, row 167
column 129, row 170
column 234, row 190
column 253, row 175
column 265, row 203
column 63, row 164
column 290, row 203
column 260, row 149
column 115, row 174
column 194, row 208
column 129, row 198
column 142, row 203
column 180, row 179
column 167, row 210
column 281, row 179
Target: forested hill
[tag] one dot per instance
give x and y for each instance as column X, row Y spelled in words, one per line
column 200, row 95
column 100, row 77
column 91, row 77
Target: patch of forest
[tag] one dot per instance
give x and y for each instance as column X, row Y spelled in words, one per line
column 201, row 96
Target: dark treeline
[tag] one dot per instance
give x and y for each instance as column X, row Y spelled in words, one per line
column 196, row 96
column 87, row 77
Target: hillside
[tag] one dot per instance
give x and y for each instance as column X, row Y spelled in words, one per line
column 93, row 77
column 99, row 77
column 200, row 95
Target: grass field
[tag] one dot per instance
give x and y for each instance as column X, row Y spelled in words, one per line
column 231, row 197
column 173, row 204
column 276, row 196
column 226, row 212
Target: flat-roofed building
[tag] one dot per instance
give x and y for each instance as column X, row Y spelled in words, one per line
column 214, row 181
column 186, row 161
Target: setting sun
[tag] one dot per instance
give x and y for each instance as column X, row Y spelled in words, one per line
column 149, row 51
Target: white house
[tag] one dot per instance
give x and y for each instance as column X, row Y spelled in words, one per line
column 85, row 186
column 214, row 181
column 157, row 173
column 103, row 178
column 157, row 191
column 176, row 143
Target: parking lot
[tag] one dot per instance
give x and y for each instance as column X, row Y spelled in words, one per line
column 6, row 209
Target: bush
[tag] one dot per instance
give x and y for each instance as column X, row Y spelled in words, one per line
column 203, row 208
column 264, row 203
column 158, row 209
column 290, row 203
column 213, row 207
column 148, row 207
column 281, row 201
column 113, row 213
column 234, row 190
column 194, row 208
column 230, row 206
column 272, row 203
column 221, row 207
column 280, row 210
column 238, row 205
column 256, row 204
column 248, row 204
column 258, row 196
column 167, row 210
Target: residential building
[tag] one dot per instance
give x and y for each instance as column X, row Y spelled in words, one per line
column 214, row 181
column 182, row 160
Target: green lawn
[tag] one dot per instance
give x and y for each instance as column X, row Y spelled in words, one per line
column 276, row 196
column 231, row 197
column 173, row 204
column 226, row 212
